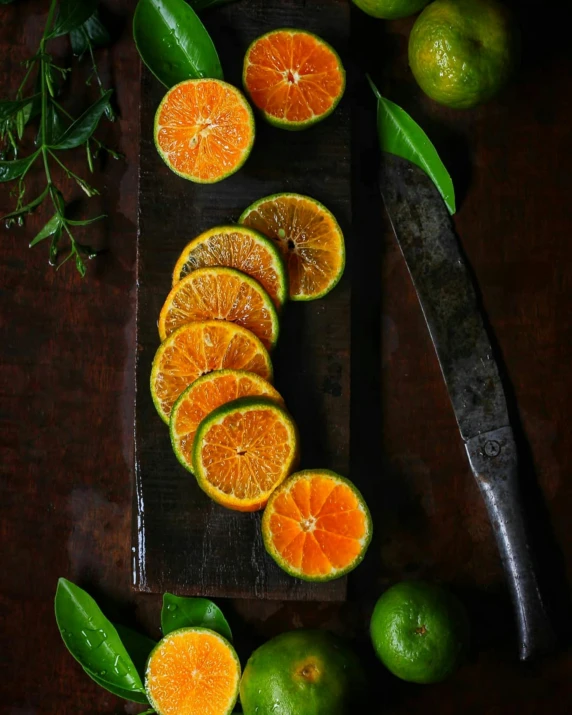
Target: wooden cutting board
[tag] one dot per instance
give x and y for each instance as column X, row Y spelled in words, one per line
column 182, row 541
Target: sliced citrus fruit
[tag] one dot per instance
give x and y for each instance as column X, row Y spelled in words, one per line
column 309, row 238
column 216, row 293
column 243, row 450
column 205, row 395
column 294, row 77
column 317, row 526
column 237, row 247
column 204, row 130
column 198, row 348
column 192, row 670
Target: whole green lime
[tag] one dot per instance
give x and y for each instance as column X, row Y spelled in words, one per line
column 390, row 9
column 461, row 52
column 304, row 672
column 419, row 631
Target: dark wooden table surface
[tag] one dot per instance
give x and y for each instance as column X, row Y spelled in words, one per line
column 66, row 392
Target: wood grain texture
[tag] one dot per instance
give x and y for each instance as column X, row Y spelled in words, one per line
column 67, row 384
column 184, row 542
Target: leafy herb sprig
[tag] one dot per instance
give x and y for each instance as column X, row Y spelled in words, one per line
column 57, row 129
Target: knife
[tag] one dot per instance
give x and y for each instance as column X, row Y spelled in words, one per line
column 424, row 232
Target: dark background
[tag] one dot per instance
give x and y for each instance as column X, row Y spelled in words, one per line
column 66, row 387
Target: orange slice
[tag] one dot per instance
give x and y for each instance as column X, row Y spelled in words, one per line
column 243, row 451
column 309, row 238
column 294, row 78
column 317, row 526
column 205, row 395
column 204, row 130
column 198, row 348
column 241, row 248
column 216, row 293
column 193, row 670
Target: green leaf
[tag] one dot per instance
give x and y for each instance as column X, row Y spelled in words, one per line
column 399, row 134
column 137, row 645
column 120, row 692
column 55, row 125
column 28, row 208
column 8, row 108
column 49, row 229
column 93, row 32
column 10, row 170
column 173, row 42
column 85, row 222
column 93, row 640
column 72, row 14
column 179, row 612
column 84, row 126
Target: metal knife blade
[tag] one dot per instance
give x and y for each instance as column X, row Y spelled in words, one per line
column 424, row 232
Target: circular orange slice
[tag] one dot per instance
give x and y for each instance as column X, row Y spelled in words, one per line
column 309, row 238
column 243, row 450
column 237, row 247
column 192, row 670
column 216, row 293
column 198, row 348
column 294, row 78
column 205, row 395
column 317, row 526
column 204, row 130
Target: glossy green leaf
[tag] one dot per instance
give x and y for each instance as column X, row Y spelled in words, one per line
column 72, row 14
column 131, row 695
column 83, row 127
column 137, row 645
column 179, row 612
column 399, row 134
column 10, row 170
column 8, row 108
column 28, row 208
column 87, row 221
column 93, row 640
column 93, row 32
column 173, row 42
column 49, row 229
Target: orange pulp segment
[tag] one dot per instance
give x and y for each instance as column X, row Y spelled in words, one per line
column 216, row 293
column 317, row 526
column 243, row 451
column 205, row 395
column 193, row 670
column 309, row 238
column 198, row 348
column 294, row 77
column 204, row 130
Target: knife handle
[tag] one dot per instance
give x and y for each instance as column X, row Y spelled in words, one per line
column 494, row 462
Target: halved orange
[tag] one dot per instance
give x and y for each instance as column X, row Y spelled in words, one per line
column 317, row 526
column 241, row 248
column 243, row 450
column 309, row 238
column 216, row 293
column 204, row 130
column 294, row 77
column 205, row 395
column 192, row 670
column 198, row 348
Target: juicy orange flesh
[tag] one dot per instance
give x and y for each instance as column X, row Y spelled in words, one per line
column 192, row 673
column 244, row 454
column 204, row 129
column 209, row 394
column 308, row 238
column 293, row 76
column 235, row 249
column 317, row 526
column 212, row 295
column 200, row 349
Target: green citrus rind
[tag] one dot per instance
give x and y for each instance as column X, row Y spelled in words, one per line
column 296, row 573
column 185, row 395
column 246, row 152
column 177, row 633
column 335, row 279
column 284, row 123
column 242, row 405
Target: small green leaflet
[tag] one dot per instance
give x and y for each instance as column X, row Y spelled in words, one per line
column 72, row 14
column 173, row 42
column 179, row 612
column 28, row 208
column 84, row 126
column 92, row 32
column 10, row 170
column 399, row 134
column 10, row 107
